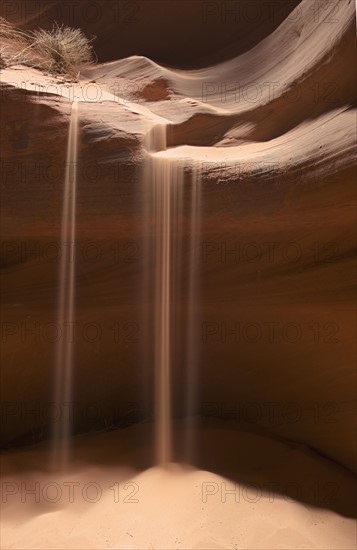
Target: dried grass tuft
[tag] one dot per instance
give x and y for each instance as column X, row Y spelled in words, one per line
column 60, row 51
column 64, row 50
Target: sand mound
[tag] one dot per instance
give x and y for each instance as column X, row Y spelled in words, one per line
column 177, row 506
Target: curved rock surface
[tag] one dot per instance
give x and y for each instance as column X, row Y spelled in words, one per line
column 213, row 30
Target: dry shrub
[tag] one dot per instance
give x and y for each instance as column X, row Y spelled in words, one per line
column 14, row 44
column 8, row 31
column 63, row 49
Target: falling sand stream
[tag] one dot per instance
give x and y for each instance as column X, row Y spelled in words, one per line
column 162, row 187
column 166, row 177
column 64, row 351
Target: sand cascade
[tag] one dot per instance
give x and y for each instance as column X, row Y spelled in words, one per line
column 65, row 313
